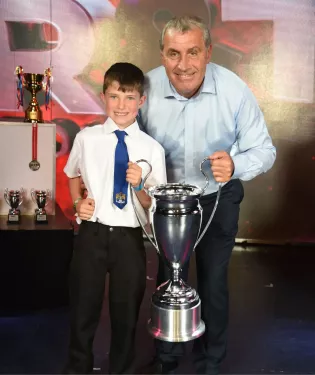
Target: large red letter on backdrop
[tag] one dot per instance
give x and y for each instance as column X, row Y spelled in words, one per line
column 71, row 50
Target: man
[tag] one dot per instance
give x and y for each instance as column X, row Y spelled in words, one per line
column 197, row 109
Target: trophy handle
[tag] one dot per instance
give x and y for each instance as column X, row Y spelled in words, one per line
column 33, row 195
column 206, row 176
column 148, row 174
column 22, row 196
column 6, row 193
column 48, row 196
column 134, row 206
column 215, row 205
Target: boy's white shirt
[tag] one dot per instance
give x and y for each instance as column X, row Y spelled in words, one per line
column 92, row 156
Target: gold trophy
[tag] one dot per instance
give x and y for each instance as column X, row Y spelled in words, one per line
column 33, row 82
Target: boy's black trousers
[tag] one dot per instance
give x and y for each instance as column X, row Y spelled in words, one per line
column 119, row 251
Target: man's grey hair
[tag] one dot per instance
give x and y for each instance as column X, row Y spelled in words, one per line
column 183, row 24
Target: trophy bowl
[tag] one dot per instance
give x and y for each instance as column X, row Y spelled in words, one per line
column 176, row 220
column 176, row 224
column 33, row 83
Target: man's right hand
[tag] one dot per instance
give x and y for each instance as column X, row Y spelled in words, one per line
column 85, row 208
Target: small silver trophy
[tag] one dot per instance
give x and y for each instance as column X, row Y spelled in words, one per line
column 14, row 199
column 176, row 225
column 40, row 197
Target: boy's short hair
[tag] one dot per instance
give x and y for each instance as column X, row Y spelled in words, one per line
column 128, row 76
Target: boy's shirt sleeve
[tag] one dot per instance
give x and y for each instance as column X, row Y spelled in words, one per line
column 72, row 168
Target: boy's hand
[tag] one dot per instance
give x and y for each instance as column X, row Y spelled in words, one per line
column 85, row 208
column 134, row 174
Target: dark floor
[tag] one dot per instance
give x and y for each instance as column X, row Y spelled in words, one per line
column 272, row 320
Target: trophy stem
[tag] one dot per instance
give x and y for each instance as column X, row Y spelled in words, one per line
column 175, row 275
column 33, row 112
column 34, row 100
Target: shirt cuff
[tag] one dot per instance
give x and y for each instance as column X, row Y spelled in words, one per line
column 239, row 165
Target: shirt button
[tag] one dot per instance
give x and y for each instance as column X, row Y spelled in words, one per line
column 111, row 229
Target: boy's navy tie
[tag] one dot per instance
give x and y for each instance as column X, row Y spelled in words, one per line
column 121, row 165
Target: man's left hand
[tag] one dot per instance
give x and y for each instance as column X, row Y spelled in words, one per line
column 222, row 166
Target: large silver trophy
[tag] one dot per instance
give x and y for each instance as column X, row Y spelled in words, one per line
column 176, row 226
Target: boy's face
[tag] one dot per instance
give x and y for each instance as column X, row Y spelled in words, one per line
column 122, row 107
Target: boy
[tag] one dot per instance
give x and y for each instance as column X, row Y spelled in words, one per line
column 110, row 238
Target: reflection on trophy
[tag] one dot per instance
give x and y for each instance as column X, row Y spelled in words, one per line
column 40, row 197
column 176, row 224
column 14, row 199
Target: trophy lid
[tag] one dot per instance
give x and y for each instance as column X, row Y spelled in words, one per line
column 175, row 191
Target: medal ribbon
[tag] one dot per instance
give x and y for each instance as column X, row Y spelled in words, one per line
column 34, row 140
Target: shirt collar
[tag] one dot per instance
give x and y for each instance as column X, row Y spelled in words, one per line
column 208, row 85
column 110, row 126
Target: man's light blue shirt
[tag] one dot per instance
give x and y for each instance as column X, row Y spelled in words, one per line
column 222, row 116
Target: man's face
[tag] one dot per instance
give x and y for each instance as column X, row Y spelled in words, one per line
column 185, row 58
column 122, row 107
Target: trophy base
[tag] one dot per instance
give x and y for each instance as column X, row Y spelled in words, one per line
column 33, row 114
column 176, row 324
column 41, row 218
column 13, row 219
column 175, row 313
column 38, row 120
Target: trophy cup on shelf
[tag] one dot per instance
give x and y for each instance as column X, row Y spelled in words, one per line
column 14, row 199
column 176, row 225
column 33, row 82
column 40, row 197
